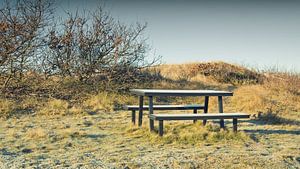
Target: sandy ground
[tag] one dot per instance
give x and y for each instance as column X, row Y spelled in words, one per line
column 101, row 140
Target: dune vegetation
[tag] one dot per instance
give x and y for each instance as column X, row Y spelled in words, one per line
column 64, row 83
column 61, row 122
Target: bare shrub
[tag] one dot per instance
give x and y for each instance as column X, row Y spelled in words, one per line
column 100, row 47
column 284, row 81
column 21, row 29
column 229, row 73
column 217, row 71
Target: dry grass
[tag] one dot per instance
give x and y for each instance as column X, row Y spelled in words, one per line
column 107, row 140
column 48, row 125
column 189, row 134
column 252, row 99
column 211, row 72
column 101, row 101
column 275, row 100
column 36, row 133
column 7, row 107
column 55, row 107
column 76, row 110
column 107, row 101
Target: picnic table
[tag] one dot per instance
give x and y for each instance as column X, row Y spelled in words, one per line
column 150, row 93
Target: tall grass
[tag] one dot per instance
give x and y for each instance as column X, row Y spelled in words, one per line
column 107, row 101
column 7, row 107
column 276, row 92
column 277, row 98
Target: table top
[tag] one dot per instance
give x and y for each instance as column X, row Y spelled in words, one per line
column 167, row 92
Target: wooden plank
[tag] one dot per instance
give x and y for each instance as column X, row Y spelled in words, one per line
column 165, row 107
column 206, row 99
column 198, row 116
column 160, row 92
column 141, row 102
column 151, row 122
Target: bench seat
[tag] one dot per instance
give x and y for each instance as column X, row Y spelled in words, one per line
column 162, row 117
column 198, row 116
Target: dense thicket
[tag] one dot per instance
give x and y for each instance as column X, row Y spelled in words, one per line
column 87, row 47
column 22, row 27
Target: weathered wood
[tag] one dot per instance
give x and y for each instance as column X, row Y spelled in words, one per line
column 161, row 127
column 162, row 117
column 160, row 92
column 141, row 102
column 220, row 104
column 165, row 107
column 234, row 122
column 133, row 116
column 151, row 122
column 198, row 116
column 195, row 112
column 206, row 99
column 133, row 108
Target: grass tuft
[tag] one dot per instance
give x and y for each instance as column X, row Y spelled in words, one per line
column 101, row 101
column 55, row 107
column 7, row 107
column 36, row 133
column 107, row 101
column 189, row 134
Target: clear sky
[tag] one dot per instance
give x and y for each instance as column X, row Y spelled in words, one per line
column 257, row 33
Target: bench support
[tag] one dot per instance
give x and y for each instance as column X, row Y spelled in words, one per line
column 161, row 127
column 234, row 122
column 205, row 108
column 141, row 100
column 133, row 116
column 162, row 117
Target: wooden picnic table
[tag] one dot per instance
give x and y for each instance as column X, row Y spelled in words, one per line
column 150, row 93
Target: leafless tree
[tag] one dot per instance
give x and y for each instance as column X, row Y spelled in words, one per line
column 97, row 45
column 92, row 46
column 21, row 26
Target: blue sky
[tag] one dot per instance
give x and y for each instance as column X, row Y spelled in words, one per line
column 257, row 33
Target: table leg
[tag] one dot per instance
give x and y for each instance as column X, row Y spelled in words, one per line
column 234, row 122
column 133, row 116
column 220, row 103
column 205, row 107
column 141, row 102
column 161, row 128
column 151, row 122
column 195, row 112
